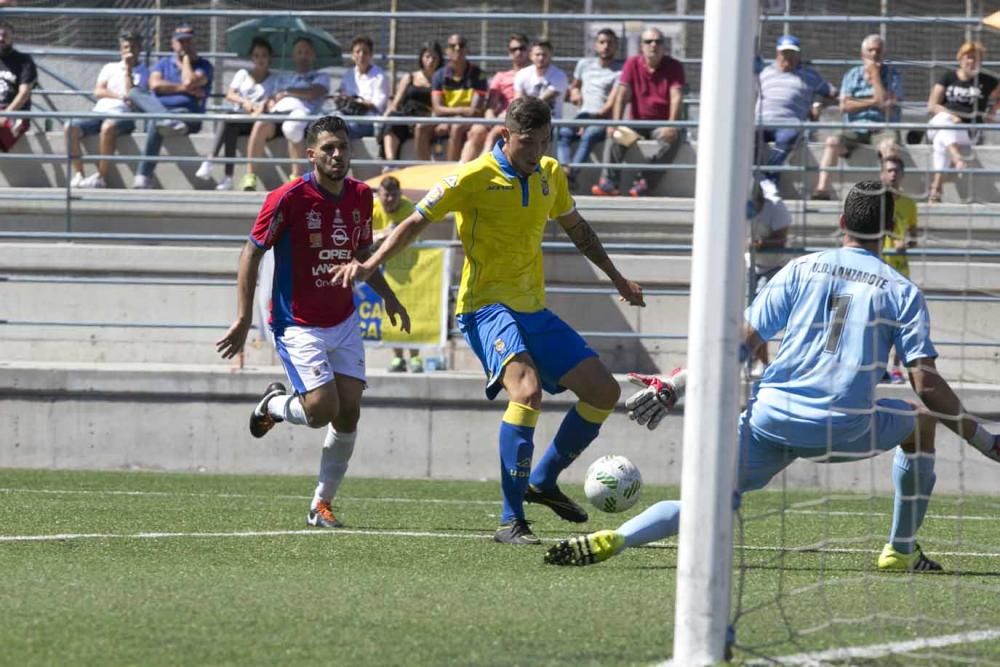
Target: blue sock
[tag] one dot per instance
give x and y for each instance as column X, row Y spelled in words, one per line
column 659, row 521
column 517, row 431
column 579, row 428
column 913, row 476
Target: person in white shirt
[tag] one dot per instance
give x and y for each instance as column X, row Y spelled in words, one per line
column 769, row 222
column 113, row 85
column 251, row 92
column 364, row 90
column 544, row 80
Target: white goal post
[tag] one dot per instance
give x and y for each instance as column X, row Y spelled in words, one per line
column 725, row 136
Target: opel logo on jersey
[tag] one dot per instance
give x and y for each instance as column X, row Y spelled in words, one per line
column 340, row 236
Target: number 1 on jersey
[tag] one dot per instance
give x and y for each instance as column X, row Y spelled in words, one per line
column 839, row 306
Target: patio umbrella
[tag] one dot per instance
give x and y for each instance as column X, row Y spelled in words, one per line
column 282, row 32
column 415, row 181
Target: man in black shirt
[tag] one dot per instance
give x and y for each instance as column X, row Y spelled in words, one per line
column 17, row 76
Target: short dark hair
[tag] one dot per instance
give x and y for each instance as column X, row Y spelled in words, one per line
column 895, row 159
column 868, row 210
column 389, row 184
column 306, row 40
column 363, row 39
column 544, row 43
column 434, row 48
column 608, row 32
column 527, row 113
column 6, row 24
column 331, row 124
column 262, row 43
column 519, row 36
column 131, row 36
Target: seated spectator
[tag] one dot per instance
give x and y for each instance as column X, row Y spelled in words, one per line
column 961, row 96
column 112, row 90
column 364, row 90
column 250, row 92
column 413, row 98
column 787, row 89
column 301, row 93
column 769, row 223
column 499, row 95
column 593, row 81
column 652, row 84
column 391, row 207
column 542, row 79
column 17, row 76
column 179, row 83
column 870, row 93
column 458, row 89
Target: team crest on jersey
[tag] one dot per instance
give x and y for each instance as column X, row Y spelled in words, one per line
column 314, row 220
column 316, row 240
column 340, row 236
column 337, row 220
column 356, row 216
column 499, row 345
column 545, row 187
column 451, row 181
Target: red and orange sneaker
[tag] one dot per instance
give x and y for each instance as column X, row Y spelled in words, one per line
column 604, row 188
column 322, row 516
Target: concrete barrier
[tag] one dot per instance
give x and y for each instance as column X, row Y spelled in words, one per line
column 440, row 426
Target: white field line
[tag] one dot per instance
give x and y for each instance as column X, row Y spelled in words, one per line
column 432, row 501
column 243, row 533
column 873, row 651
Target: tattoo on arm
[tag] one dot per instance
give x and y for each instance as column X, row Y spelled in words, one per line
column 585, row 239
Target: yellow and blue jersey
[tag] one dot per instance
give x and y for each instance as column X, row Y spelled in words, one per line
column 501, row 216
column 904, row 219
column 382, row 219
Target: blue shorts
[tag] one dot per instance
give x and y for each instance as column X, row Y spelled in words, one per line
column 91, row 126
column 762, row 458
column 496, row 333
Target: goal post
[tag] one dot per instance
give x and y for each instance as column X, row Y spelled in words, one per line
column 725, row 135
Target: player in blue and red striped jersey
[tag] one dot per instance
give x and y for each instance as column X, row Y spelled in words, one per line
column 314, row 224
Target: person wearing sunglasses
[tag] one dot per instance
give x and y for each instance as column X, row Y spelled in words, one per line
column 652, row 85
column 498, row 97
column 458, row 90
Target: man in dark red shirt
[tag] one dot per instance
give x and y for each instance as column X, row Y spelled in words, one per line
column 314, row 224
column 652, row 84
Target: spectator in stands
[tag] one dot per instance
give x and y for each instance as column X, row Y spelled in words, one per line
column 250, row 92
column 458, row 89
column 114, row 82
column 300, row 94
column 391, row 207
column 364, row 89
column 542, row 79
column 413, row 98
column 961, row 96
column 787, row 91
column 870, row 93
column 17, row 76
column 180, row 83
column 903, row 236
column 593, row 81
column 499, row 95
column 652, row 84
column 769, row 224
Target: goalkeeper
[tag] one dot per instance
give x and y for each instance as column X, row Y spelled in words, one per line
column 842, row 311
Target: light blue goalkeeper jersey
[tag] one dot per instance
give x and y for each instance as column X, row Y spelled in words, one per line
column 842, row 311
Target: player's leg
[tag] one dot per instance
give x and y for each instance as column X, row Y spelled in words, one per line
column 338, row 447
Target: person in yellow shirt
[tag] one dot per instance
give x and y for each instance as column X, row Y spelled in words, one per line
column 903, row 236
column 392, row 207
column 501, row 201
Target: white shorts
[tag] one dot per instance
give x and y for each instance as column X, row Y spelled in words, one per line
column 313, row 355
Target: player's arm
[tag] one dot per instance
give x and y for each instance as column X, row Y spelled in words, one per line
column 376, row 281
column 587, row 242
column 403, row 235
column 941, row 400
column 246, row 283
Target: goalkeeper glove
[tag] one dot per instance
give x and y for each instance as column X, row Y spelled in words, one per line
column 650, row 405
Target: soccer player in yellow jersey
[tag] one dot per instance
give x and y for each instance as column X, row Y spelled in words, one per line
column 501, row 203
column 392, row 207
column 903, row 236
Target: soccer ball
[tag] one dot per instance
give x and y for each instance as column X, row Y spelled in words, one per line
column 613, row 484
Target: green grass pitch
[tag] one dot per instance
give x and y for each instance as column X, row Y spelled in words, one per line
column 168, row 569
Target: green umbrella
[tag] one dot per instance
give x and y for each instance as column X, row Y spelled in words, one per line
column 282, row 32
